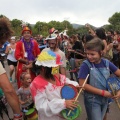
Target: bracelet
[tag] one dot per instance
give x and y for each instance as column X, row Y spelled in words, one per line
column 103, row 93
column 18, row 115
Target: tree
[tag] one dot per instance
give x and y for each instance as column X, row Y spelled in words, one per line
column 114, row 20
column 16, row 25
column 82, row 30
column 41, row 28
column 3, row 16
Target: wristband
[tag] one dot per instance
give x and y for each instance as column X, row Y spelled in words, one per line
column 18, row 115
column 103, row 93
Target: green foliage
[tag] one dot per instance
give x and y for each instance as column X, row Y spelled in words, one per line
column 3, row 16
column 16, row 25
column 114, row 21
column 82, row 30
column 108, row 27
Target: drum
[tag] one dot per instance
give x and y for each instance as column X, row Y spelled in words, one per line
column 31, row 114
column 114, row 82
column 73, row 115
column 70, row 92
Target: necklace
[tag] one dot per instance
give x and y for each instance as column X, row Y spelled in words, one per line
column 29, row 49
column 28, row 44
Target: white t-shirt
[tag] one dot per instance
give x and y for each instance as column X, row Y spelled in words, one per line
column 11, row 55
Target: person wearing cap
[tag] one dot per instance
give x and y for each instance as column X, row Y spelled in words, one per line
column 26, row 52
column 12, row 62
column 46, row 87
column 53, row 45
column 5, row 85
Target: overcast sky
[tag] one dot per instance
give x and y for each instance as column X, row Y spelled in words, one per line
column 95, row 12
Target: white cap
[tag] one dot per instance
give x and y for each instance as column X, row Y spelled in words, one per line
column 51, row 37
column 12, row 38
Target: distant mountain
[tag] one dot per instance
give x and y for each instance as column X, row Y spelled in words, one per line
column 76, row 25
column 32, row 25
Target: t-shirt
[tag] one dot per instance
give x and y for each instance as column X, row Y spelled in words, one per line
column 24, row 95
column 2, row 70
column 84, row 69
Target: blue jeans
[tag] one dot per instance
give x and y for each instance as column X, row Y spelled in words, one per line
column 96, row 106
column 73, row 66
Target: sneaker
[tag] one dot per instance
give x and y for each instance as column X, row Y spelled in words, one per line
column 10, row 79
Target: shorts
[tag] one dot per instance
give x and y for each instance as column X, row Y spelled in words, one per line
column 12, row 63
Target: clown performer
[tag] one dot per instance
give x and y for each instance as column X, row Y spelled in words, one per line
column 46, row 87
column 26, row 52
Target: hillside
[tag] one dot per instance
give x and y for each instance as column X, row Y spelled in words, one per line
column 76, row 25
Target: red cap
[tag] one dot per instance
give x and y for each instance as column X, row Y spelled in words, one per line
column 26, row 29
column 51, row 30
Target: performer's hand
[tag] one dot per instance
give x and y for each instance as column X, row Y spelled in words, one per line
column 30, row 62
column 24, row 67
column 71, row 104
column 79, row 87
column 29, row 66
column 26, row 61
column 108, row 94
column 117, row 95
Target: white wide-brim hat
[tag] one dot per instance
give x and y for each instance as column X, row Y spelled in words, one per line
column 48, row 59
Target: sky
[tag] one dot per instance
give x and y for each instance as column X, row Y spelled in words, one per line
column 94, row 12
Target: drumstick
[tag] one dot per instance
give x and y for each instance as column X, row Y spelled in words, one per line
column 113, row 92
column 79, row 92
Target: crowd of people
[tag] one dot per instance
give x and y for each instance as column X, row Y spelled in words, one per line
column 40, row 70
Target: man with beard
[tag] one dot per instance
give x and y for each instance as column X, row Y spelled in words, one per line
column 53, row 45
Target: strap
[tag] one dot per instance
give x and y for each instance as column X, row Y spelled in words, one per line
column 88, row 63
column 92, row 65
column 106, row 63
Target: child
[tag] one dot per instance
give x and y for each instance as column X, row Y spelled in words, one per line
column 24, row 92
column 46, row 88
column 96, row 94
